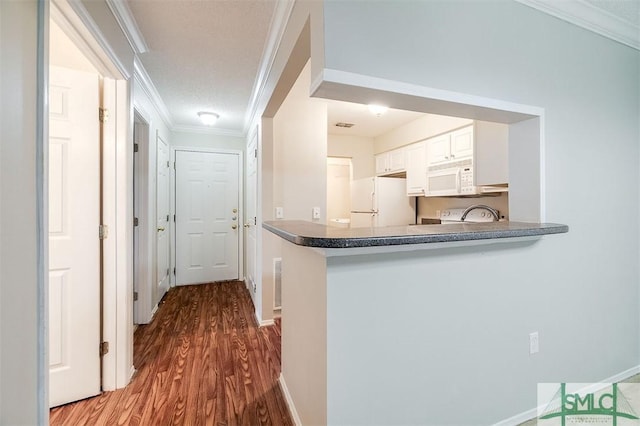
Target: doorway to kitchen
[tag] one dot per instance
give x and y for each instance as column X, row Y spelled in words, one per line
column 339, row 177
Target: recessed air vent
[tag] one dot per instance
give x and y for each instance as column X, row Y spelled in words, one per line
column 345, row 125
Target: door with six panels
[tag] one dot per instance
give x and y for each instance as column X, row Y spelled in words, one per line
column 207, row 217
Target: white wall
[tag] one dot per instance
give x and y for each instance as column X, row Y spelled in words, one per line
column 23, row 380
column 359, row 148
column 300, row 153
column 579, row 290
column 294, row 171
column 64, row 53
column 204, row 140
column 417, row 130
column 304, row 331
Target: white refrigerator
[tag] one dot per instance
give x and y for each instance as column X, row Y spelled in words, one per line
column 381, row 201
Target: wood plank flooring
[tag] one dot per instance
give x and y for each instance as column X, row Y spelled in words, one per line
column 202, row 361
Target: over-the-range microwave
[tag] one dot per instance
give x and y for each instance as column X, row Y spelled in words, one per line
column 451, row 179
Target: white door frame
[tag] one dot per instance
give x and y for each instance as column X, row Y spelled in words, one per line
column 117, row 364
column 255, row 135
column 143, row 268
column 172, row 201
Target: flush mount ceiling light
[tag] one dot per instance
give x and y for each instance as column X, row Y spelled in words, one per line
column 208, row 118
column 377, row 110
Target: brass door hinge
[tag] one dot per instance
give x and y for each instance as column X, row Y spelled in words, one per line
column 135, row 296
column 104, row 348
column 103, row 232
column 103, row 115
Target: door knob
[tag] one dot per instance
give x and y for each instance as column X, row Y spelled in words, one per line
column 246, row 225
column 234, row 226
column 160, row 229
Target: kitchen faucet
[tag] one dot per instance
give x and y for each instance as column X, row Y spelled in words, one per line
column 491, row 210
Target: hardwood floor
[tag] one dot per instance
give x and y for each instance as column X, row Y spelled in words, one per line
column 202, row 361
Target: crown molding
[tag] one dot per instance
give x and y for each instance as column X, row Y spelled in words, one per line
column 127, row 22
column 206, row 130
column 590, row 17
column 277, row 27
column 141, row 76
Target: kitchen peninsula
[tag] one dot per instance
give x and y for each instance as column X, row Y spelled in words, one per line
column 369, row 315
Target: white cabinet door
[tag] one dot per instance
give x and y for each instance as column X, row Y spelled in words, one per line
column 381, row 163
column 438, row 149
column 396, row 160
column 462, row 143
column 390, row 162
column 416, row 155
column 491, row 156
column 74, row 246
column 207, row 217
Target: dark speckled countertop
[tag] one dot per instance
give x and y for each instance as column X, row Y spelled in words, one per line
column 322, row 236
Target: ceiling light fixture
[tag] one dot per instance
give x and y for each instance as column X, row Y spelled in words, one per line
column 377, row 110
column 208, row 118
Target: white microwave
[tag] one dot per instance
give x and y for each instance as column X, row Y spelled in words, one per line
column 451, row 180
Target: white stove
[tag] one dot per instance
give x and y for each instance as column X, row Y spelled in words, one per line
column 474, row 216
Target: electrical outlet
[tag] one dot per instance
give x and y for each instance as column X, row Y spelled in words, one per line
column 279, row 213
column 315, row 213
column 534, row 343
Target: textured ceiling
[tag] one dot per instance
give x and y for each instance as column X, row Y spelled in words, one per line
column 204, row 55
column 365, row 123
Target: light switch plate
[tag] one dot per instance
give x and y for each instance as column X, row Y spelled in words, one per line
column 315, row 213
column 279, row 213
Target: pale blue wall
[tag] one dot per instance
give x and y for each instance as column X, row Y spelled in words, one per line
column 579, row 290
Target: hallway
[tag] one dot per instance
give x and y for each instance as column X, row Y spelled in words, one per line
column 201, row 361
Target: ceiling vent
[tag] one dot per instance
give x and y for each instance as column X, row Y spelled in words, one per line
column 345, row 125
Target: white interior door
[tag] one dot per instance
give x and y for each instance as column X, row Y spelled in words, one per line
column 162, row 222
column 207, row 216
column 74, row 245
column 250, row 220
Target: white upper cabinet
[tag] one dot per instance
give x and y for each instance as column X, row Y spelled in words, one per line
column 390, row 162
column 439, row 149
column 416, row 161
column 462, row 143
column 491, row 157
column 456, row 145
column 485, row 144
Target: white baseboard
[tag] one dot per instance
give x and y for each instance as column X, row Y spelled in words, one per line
column 132, row 371
column 153, row 312
column 263, row 323
column 287, row 397
column 533, row 413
